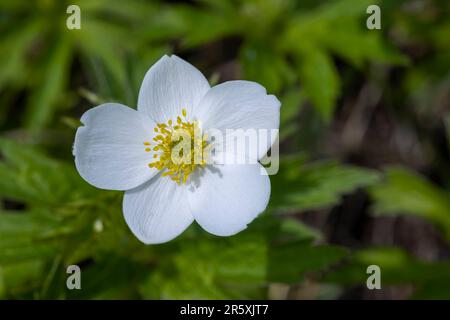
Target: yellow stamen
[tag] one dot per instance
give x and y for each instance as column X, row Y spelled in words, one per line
column 182, row 148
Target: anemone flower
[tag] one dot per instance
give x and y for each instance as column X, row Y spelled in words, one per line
column 120, row 148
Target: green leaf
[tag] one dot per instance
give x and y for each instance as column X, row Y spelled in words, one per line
column 18, row 250
column 202, row 266
column 19, row 279
column 319, row 79
column 14, row 46
column 299, row 231
column 397, row 268
column 202, row 26
column 23, row 224
column 42, row 104
column 317, row 185
column 358, row 46
column 28, row 175
column 289, row 262
column 27, row 235
column 407, row 192
column 291, row 106
column 111, row 277
column 212, row 268
column 2, row 284
column 267, row 67
column 99, row 45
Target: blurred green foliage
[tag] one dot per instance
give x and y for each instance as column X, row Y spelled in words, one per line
column 405, row 192
column 304, row 52
column 430, row 280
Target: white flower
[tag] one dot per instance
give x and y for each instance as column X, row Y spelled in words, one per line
column 118, row 148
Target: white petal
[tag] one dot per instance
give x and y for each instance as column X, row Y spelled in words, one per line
column 224, row 199
column 170, row 85
column 109, row 149
column 240, row 105
column 157, row 211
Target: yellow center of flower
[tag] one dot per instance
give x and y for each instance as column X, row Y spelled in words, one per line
column 179, row 147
